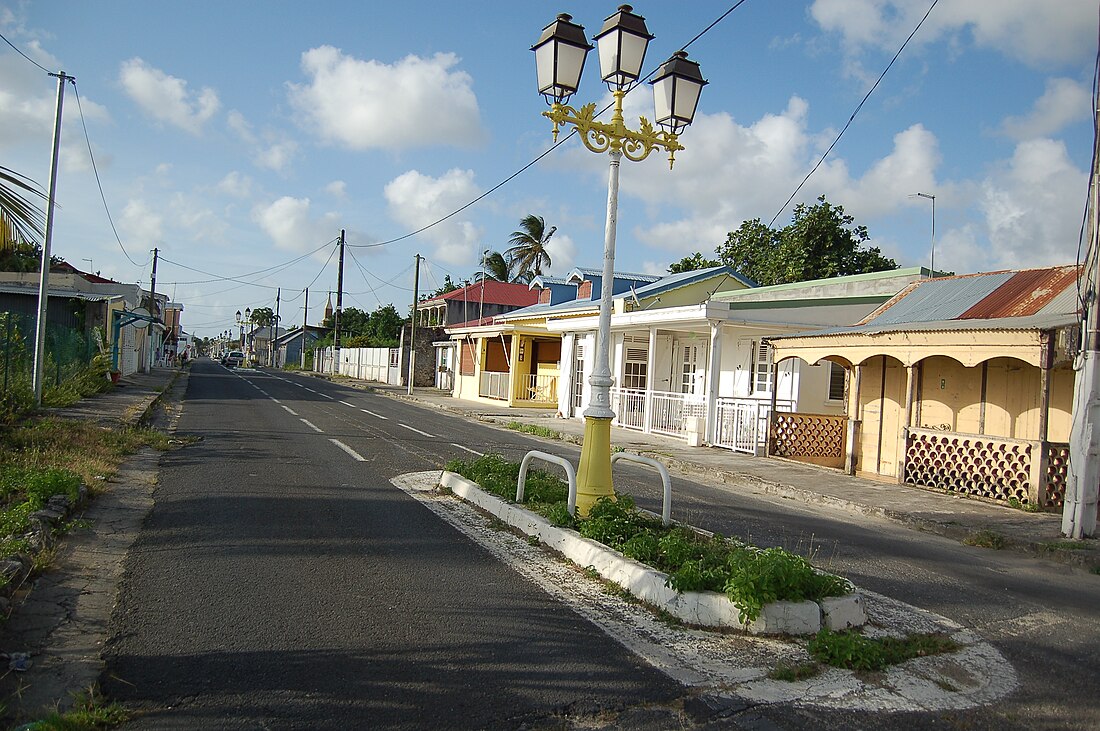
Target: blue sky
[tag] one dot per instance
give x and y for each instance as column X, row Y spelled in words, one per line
column 241, row 136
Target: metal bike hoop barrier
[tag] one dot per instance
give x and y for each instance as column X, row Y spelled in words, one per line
column 553, row 458
column 666, row 509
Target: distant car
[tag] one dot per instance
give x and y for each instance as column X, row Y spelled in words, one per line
column 233, row 359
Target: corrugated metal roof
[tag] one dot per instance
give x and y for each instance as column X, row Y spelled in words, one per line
column 940, row 299
column 56, row 293
column 1025, row 293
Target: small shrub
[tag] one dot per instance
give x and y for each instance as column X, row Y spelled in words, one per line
column 791, row 672
column 986, row 539
column 853, row 651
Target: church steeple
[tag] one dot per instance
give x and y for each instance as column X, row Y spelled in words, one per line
column 328, row 307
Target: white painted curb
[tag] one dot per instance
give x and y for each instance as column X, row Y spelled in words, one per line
column 702, row 608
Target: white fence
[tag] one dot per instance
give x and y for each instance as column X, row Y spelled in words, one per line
column 666, row 410
column 494, row 384
column 742, row 424
column 539, row 389
column 367, row 364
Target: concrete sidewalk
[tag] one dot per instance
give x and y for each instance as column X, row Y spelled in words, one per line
column 953, row 516
column 128, row 402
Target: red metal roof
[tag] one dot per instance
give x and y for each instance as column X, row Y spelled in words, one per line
column 1026, row 293
column 493, row 292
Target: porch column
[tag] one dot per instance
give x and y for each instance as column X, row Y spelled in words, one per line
column 714, row 376
column 650, row 373
column 565, row 374
column 769, row 440
column 907, row 415
column 1039, row 462
column 854, row 420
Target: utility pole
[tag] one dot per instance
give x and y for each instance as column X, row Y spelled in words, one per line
column 44, row 276
column 412, row 328
column 152, row 309
column 305, row 325
column 1083, row 475
column 339, row 307
column 275, row 333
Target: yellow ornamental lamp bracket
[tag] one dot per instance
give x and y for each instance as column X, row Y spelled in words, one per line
column 614, row 135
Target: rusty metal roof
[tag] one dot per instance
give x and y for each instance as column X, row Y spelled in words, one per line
column 990, row 296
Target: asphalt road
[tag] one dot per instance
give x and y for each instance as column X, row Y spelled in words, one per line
column 282, row 582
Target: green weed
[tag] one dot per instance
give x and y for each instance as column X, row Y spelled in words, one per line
column 986, row 539
column 534, row 429
column 853, row 651
column 791, row 672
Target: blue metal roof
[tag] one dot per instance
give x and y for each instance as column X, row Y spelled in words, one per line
column 933, row 300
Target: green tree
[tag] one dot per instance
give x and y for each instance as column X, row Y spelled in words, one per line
column 447, row 286
column 821, row 241
column 495, row 265
column 385, row 327
column 692, row 263
column 527, row 252
column 262, row 317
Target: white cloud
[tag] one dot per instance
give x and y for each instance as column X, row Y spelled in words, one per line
column 1064, row 101
column 1032, row 207
column 367, row 104
column 240, row 126
column 270, row 149
column 1036, row 33
column 139, row 222
column 167, row 98
column 416, row 200
column 277, row 155
column 292, row 226
column 337, row 189
column 563, row 253
column 236, row 185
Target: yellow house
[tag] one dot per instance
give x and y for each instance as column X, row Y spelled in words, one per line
column 962, row 384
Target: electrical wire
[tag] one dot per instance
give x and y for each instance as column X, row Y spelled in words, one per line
column 852, row 118
column 99, row 183
column 1088, row 299
column 16, row 49
column 266, row 270
column 546, row 152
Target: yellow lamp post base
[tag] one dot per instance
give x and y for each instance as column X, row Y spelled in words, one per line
column 594, row 471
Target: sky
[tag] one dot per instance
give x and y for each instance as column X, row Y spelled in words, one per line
column 239, row 138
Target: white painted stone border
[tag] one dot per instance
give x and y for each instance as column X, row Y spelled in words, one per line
column 705, row 609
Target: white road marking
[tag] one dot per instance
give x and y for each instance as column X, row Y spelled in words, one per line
column 345, row 403
column 274, row 399
column 327, row 396
column 411, row 428
column 471, row 451
column 290, row 411
column 377, row 416
column 309, row 389
column 311, row 426
column 354, row 455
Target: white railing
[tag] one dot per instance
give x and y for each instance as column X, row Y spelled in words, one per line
column 539, row 389
column 629, row 407
column 669, row 410
column 742, row 424
column 494, row 384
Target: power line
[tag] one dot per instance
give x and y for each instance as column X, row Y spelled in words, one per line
column 538, row 158
column 851, row 118
column 99, row 183
column 16, row 49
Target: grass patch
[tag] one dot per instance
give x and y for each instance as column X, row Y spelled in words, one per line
column 853, row 651
column 1065, row 546
column 91, row 712
column 538, row 431
column 793, row 672
column 1026, row 507
column 986, row 539
column 749, row 576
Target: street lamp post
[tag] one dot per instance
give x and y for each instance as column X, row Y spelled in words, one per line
column 240, row 324
column 559, row 57
column 932, row 263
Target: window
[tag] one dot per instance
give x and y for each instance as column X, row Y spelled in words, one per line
column 578, row 374
column 837, row 379
column 466, row 358
column 687, row 373
column 635, row 367
column 761, row 368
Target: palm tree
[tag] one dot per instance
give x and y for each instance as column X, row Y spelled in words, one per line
column 528, row 247
column 20, row 219
column 494, row 265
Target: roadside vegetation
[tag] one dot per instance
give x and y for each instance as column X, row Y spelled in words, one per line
column 90, row 712
column 751, row 577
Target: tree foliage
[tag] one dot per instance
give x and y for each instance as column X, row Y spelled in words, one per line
column 21, row 220
column 262, row 317
column 527, row 252
column 692, row 263
column 497, row 266
column 822, row 241
column 359, row 329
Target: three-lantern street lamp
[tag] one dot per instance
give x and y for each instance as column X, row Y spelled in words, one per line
column 559, row 58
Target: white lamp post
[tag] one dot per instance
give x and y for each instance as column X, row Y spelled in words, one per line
column 932, row 263
column 559, row 57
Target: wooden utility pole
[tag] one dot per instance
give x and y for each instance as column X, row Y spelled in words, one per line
column 152, row 309
column 275, row 328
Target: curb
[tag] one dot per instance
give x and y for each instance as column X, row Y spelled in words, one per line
column 696, row 608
